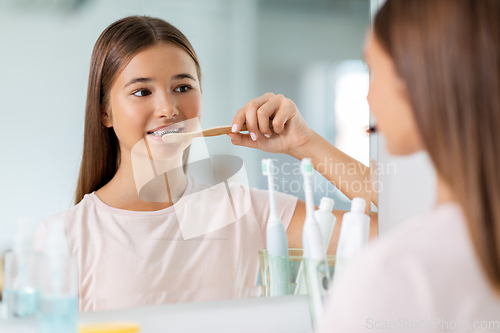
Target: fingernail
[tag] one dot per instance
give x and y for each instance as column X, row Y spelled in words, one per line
column 253, row 136
column 267, row 135
column 234, row 128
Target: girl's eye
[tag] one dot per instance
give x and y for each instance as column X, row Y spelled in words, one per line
column 142, row 92
column 182, row 88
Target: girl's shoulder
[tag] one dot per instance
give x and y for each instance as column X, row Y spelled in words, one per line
column 425, row 268
column 71, row 218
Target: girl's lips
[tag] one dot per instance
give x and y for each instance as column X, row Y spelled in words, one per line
column 165, row 128
column 164, row 131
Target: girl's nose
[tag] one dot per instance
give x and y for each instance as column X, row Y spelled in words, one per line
column 166, row 113
column 165, row 109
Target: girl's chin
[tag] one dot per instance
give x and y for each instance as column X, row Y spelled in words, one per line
column 163, row 151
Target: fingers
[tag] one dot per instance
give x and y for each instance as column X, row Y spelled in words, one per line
column 251, row 119
column 266, row 111
column 245, row 140
column 256, row 119
column 286, row 111
column 248, row 114
column 238, row 120
column 258, row 112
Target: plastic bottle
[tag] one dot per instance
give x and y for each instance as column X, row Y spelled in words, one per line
column 19, row 294
column 58, row 284
column 353, row 235
column 326, row 220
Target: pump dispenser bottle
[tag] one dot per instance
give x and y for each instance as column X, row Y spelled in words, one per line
column 58, row 284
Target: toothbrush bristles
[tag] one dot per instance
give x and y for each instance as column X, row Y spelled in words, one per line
column 307, row 167
column 264, row 167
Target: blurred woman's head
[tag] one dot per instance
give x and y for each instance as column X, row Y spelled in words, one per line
column 442, row 62
column 389, row 102
column 118, row 55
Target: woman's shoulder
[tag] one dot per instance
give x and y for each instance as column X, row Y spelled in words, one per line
column 422, row 269
column 437, row 234
column 425, row 240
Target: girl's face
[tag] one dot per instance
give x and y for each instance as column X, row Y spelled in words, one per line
column 389, row 102
column 157, row 91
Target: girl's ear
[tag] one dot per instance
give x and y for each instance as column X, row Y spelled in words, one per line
column 106, row 118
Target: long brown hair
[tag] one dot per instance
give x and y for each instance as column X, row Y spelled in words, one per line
column 448, row 54
column 114, row 49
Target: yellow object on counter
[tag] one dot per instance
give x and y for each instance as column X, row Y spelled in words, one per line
column 123, row 327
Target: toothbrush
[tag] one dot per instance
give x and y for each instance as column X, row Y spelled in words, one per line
column 314, row 250
column 212, row 131
column 312, row 238
column 277, row 243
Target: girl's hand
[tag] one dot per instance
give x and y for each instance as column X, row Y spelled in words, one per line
column 289, row 134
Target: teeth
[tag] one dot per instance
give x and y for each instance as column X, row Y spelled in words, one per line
column 162, row 133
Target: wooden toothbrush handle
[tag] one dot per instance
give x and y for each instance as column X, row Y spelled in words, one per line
column 221, row 130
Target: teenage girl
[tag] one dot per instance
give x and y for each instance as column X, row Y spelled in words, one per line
column 145, row 79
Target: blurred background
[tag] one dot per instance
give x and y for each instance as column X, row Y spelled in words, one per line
column 308, row 50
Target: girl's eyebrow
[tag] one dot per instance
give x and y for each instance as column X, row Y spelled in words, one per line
column 148, row 79
column 138, row 79
column 183, row 76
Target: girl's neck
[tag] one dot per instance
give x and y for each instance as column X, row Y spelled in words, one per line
column 167, row 188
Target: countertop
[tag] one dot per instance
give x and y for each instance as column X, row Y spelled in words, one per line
column 266, row 314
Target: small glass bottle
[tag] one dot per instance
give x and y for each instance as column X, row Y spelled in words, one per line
column 19, row 294
column 57, row 284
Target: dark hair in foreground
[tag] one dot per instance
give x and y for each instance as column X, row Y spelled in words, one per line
column 114, row 49
column 448, row 54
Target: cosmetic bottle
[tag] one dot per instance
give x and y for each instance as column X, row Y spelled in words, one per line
column 353, row 236
column 19, row 293
column 326, row 220
column 57, row 284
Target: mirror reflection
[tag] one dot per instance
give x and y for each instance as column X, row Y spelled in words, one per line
column 151, row 220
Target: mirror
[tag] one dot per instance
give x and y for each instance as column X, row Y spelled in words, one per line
column 309, row 51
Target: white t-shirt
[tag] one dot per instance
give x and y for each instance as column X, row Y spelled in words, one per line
column 129, row 258
column 423, row 277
